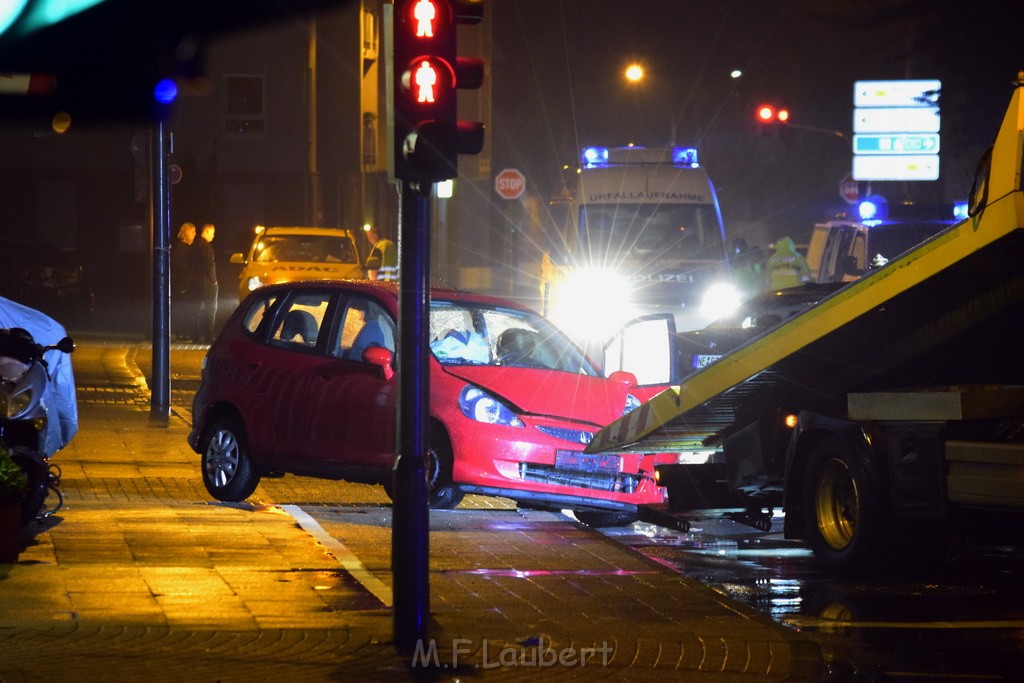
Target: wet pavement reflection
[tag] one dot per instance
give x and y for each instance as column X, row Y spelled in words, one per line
column 961, row 620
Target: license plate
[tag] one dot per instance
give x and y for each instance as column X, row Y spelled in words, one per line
column 585, row 462
column 702, row 360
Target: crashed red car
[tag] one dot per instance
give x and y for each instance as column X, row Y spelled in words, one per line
column 302, row 381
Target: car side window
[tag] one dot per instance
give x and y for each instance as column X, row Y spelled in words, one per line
column 299, row 323
column 364, row 323
column 259, row 310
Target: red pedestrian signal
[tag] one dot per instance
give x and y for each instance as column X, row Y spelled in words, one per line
column 428, row 137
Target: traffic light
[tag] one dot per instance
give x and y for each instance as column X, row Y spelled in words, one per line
column 428, row 137
column 769, row 117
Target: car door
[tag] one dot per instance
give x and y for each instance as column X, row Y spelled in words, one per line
column 287, row 371
column 354, row 420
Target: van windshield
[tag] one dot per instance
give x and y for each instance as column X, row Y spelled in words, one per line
column 651, row 231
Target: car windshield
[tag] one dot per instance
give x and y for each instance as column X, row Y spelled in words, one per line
column 304, row 248
column 477, row 334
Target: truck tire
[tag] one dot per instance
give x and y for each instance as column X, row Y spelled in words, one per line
column 843, row 513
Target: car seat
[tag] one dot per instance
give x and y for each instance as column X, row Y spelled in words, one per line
column 301, row 325
column 516, row 347
column 372, row 334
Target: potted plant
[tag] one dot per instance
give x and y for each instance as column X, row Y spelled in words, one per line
column 12, row 490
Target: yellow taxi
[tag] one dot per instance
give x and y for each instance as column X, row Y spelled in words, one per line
column 289, row 254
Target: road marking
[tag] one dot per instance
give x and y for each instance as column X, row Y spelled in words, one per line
column 800, row 621
column 346, row 558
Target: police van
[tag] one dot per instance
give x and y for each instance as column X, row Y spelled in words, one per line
column 844, row 249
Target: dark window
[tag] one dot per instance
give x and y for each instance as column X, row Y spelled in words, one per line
column 244, row 113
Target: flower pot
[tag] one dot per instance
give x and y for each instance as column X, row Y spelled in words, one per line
column 10, row 532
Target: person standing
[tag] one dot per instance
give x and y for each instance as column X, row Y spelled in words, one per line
column 182, row 308
column 382, row 263
column 748, row 268
column 786, row 266
column 204, row 274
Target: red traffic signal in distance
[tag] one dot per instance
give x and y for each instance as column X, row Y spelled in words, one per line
column 768, row 113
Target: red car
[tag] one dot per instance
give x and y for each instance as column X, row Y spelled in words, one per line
column 302, row 381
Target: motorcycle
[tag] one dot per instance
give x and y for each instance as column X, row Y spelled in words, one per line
column 28, row 404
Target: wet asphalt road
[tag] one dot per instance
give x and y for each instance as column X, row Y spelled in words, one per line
column 962, row 621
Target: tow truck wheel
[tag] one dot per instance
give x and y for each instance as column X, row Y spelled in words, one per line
column 842, row 512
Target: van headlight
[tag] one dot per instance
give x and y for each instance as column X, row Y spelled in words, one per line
column 720, row 300
column 478, row 405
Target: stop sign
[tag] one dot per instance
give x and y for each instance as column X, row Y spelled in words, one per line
column 849, row 189
column 510, row 183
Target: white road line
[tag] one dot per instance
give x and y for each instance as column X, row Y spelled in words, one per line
column 346, row 558
column 801, row 621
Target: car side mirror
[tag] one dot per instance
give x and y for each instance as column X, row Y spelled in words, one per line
column 382, row 358
column 623, row 377
column 238, row 258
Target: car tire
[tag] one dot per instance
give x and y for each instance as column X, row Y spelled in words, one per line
column 596, row 518
column 443, row 494
column 228, row 472
column 843, row 513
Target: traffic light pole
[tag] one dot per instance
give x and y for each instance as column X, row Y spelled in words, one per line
column 410, row 524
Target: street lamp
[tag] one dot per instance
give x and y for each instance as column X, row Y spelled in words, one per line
column 634, row 73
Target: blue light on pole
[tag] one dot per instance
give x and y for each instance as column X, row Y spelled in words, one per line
column 165, row 91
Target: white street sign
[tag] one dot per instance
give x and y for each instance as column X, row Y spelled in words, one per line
column 924, row 93
column 896, row 120
column 897, row 167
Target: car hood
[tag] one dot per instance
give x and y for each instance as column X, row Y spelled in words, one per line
column 546, row 392
column 283, row 271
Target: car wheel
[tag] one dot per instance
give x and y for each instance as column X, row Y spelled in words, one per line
column 597, row 518
column 228, row 472
column 842, row 512
column 443, row 494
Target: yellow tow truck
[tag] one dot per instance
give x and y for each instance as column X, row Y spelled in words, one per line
column 883, row 420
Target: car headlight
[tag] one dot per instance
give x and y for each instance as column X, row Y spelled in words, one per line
column 591, row 303
column 478, row 405
column 632, row 403
column 253, row 283
column 19, row 403
column 720, row 300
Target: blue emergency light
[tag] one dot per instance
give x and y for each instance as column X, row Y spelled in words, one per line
column 594, row 156
column 960, row 210
column 684, row 156
column 873, row 208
